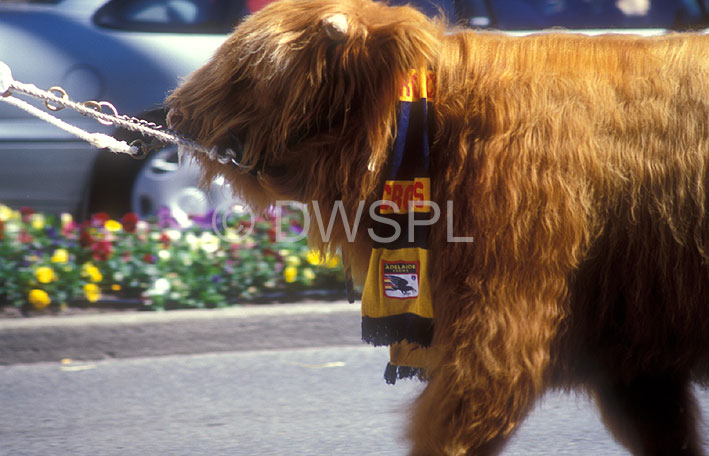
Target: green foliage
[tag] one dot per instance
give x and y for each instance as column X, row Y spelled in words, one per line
column 50, row 262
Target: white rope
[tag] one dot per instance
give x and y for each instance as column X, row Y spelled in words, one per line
column 98, row 140
column 106, row 119
column 5, row 78
column 93, row 110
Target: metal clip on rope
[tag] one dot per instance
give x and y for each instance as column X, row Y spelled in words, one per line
column 61, row 94
column 104, row 112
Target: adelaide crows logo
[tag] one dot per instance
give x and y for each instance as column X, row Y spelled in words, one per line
column 401, row 279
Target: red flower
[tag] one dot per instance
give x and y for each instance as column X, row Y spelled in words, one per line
column 150, row 258
column 26, row 211
column 85, row 238
column 2, row 230
column 165, row 240
column 100, row 219
column 25, row 237
column 102, row 250
column 270, row 252
column 68, row 229
column 129, row 222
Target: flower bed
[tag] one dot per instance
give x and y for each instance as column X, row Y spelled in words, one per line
column 48, row 262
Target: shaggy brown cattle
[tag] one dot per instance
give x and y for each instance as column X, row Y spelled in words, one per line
column 578, row 164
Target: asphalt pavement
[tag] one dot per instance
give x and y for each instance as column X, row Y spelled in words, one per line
column 291, row 379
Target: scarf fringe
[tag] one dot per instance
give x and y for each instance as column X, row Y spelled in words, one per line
column 394, row 373
column 396, row 328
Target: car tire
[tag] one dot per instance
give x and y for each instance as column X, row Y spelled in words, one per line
column 166, row 183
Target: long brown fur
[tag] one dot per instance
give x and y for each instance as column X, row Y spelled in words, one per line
column 578, row 164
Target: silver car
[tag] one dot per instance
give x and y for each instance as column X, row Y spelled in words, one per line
column 128, row 52
column 132, row 53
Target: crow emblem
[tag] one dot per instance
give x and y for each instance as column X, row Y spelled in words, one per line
column 400, row 284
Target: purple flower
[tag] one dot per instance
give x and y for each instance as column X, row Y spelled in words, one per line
column 51, row 232
column 165, row 218
column 203, row 221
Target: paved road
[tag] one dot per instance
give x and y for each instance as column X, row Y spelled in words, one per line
column 322, row 400
column 325, row 401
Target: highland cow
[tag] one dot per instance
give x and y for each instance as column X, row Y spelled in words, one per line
column 578, row 164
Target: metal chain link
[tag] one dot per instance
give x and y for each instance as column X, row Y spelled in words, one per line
column 56, row 98
column 95, row 109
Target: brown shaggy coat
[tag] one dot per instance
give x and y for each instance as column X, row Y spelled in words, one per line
column 579, row 164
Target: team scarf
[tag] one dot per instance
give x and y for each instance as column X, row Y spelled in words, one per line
column 396, row 301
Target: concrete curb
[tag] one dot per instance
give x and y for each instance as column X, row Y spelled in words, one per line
column 129, row 334
column 138, row 317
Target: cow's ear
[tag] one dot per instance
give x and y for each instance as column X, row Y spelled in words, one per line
column 390, row 40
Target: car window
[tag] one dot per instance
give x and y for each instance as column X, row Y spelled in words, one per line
column 431, row 7
column 220, row 16
column 209, row 16
column 174, row 11
column 588, row 14
column 177, row 16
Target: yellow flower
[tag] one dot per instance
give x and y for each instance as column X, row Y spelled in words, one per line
column 37, row 221
column 333, row 262
column 115, row 287
column 292, row 260
column 5, row 213
column 113, row 226
column 60, row 256
column 308, row 274
column 290, row 273
column 92, row 292
column 45, row 274
column 39, row 299
column 92, row 272
column 313, row 257
column 66, row 219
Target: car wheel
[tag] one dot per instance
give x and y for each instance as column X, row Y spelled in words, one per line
column 165, row 183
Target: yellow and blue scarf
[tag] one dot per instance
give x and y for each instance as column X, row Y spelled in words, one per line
column 396, row 302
